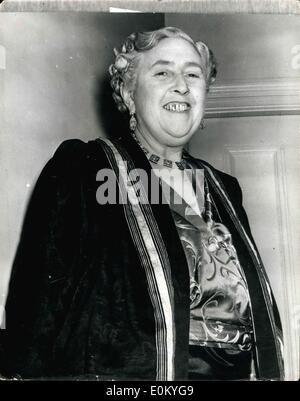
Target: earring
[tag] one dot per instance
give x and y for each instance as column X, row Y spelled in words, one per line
column 202, row 124
column 132, row 121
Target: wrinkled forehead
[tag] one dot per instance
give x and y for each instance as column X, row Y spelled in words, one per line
column 175, row 51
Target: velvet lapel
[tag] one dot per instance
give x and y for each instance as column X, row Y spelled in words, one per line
column 268, row 357
column 179, row 267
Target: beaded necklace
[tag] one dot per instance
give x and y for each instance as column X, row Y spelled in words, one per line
column 153, row 158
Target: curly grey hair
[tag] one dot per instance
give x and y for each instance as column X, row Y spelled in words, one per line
column 123, row 71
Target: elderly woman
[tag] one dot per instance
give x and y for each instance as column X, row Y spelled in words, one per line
column 163, row 281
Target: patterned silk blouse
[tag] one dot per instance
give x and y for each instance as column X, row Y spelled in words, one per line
column 219, row 300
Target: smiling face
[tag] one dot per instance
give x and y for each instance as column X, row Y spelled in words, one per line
column 169, row 93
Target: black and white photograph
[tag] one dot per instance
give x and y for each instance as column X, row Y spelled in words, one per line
column 150, row 191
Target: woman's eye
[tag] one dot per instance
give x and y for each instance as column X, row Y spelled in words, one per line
column 161, row 74
column 193, row 75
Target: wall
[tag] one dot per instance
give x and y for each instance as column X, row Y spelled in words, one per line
column 53, row 87
column 246, row 46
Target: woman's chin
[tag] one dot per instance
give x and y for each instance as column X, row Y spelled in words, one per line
column 179, row 132
column 178, row 137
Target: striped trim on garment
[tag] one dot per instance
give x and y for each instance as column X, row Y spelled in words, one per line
column 154, row 259
column 264, row 281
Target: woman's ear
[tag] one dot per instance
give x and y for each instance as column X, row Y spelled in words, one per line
column 127, row 98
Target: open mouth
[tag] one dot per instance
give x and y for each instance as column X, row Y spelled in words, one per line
column 177, row 107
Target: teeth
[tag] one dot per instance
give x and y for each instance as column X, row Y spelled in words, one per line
column 177, row 107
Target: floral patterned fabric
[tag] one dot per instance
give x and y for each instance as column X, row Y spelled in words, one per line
column 219, row 300
column 220, row 312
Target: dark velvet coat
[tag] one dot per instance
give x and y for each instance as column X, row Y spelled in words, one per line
column 78, row 302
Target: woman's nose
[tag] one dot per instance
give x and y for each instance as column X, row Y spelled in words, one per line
column 180, row 85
